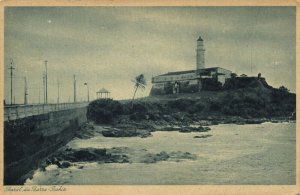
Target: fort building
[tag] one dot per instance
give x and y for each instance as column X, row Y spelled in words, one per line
column 190, row 81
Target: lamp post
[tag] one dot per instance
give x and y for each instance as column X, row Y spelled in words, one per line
column 74, row 83
column 46, row 82
column 88, row 93
column 11, row 81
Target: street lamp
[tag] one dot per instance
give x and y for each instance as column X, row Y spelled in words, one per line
column 88, row 93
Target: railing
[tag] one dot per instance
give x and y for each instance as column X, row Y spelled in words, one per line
column 21, row 111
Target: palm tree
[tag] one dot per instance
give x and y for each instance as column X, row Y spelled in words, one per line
column 139, row 82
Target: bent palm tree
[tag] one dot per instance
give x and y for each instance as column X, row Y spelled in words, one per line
column 139, row 82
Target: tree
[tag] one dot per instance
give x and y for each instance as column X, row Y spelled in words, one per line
column 233, row 75
column 139, row 82
column 259, row 75
column 283, row 89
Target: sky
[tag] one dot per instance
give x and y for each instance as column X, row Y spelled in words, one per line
column 109, row 46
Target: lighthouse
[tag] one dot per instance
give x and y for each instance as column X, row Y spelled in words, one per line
column 200, row 54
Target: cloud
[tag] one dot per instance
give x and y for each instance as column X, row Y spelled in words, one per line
column 107, row 46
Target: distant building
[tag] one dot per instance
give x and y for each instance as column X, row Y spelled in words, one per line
column 102, row 94
column 191, row 80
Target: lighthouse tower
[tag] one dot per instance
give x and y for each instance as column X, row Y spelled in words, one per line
column 200, row 54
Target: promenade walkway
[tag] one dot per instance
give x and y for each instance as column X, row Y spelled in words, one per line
column 21, row 111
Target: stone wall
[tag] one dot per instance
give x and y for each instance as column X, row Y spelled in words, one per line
column 30, row 139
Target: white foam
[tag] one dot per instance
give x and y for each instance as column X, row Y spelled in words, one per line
column 51, row 167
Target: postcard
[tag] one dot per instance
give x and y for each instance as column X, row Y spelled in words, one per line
column 111, row 97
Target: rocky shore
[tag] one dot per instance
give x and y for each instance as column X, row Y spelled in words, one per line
column 67, row 157
column 188, row 114
column 187, row 124
column 143, row 129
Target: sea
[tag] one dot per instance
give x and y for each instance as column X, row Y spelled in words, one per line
column 230, row 154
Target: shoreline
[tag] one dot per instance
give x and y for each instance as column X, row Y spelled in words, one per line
column 128, row 128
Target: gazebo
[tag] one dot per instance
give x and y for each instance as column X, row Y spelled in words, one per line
column 102, row 93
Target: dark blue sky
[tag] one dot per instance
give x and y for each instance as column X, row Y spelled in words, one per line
column 108, row 46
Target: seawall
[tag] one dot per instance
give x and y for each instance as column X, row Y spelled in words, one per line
column 30, row 139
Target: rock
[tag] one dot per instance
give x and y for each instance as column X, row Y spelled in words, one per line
column 124, row 126
column 118, row 150
column 48, row 161
column 144, row 126
column 153, row 158
column 88, row 126
column 178, row 116
column 86, row 131
column 254, row 121
column 179, row 155
column 185, row 130
column 206, row 128
column 64, row 164
column 205, row 123
column 170, row 129
column 214, row 122
column 202, row 136
column 168, row 118
column 43, row 165
column 126, row 133
column 200, row 128
column 55, row 161
column 154, row 116
column 118, row 159
column 147, row 116
column 119, row 133
column 144, row 134
column 87, row 155
column 209, row 118
column 137, row 116
column 163, row 156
